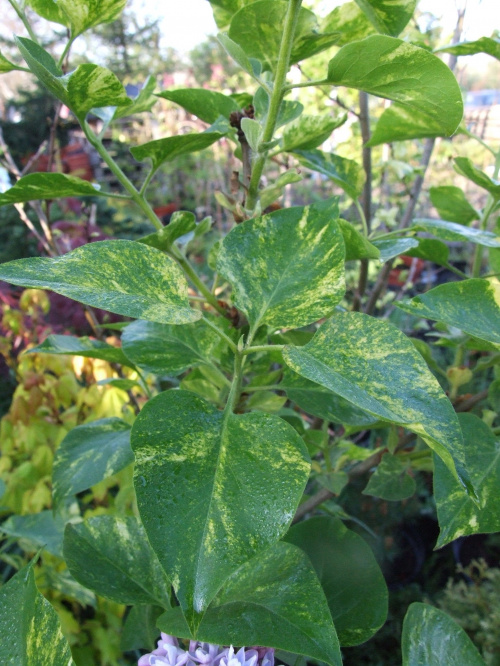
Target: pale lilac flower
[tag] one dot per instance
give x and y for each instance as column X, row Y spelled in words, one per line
column 241, row 658
column 168, row 653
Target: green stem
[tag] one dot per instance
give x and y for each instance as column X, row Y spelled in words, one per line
column 262, row 348
column 234, row 393
column 362, row 216
column 465, row 131
column 65, row 53
column 23, row 18
column 219, row 374
column 283, row 66
column 96, row 143
column 269, row 387
column 195, row 279
column 221, row 334
column 306, row 84
column 478, row 254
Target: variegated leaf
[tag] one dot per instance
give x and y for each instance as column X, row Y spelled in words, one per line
column 489, row 45
column 67, row 345
column 472, row 305
column 456, row 232
column 120, row 276
column 286, row 268
column 169, row 350
column 389, row 249
column 451, row 204
column 43, row 66
column 349, row 21
column 275, row 600
column 112, row 556
column 432, row 638
column 402, row 123
column 79, row 15
column 36, row 186
column 389, row 17
column 345, row 173
column 357, row 246
column 213, row 489
column 88, row 454
column 458, row 515
column 390, row 480
column 351, row 579
column 390, row 68
column 465, row 167
column 92, row 86
column 6, row 65
column 309, row 132
column 374, row 366
column 30, row 631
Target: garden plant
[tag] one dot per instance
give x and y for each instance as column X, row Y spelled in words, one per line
column 283, row 388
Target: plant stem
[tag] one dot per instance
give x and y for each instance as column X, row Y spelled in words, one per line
column 362, row 216
column 234, row 393
column 279, row 90
column 478, row 254
column 65, row 53
column 262, row 348
column 269, row 387
column 22, row 16
column 306, row 84
column 195, row 279
column 221, row 334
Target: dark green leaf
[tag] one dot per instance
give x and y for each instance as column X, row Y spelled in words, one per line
column 393, row 248
column 67, row 345
column 274, row 600
column 457, row 232
column 349, row 574
column 390, row 68
column 432, row 638
column 472, row 305
column 181, row 223
column 166, row 150
column 112, row 556
column 88, row 454
column 357, row 246
column 451, row 204
column 319, row 401
column 42, row 530
column 79, row 15
column 465, row 167
column 430, row 249
column 43, row 66
column 387, row 16
column 207, row 105
column 488, row 45
column 48, row 186
column 169, row 350
column 120, row 276
column 374, row 366
column 213, row 489
column 349, row 21
column 458, row 515
column 30, row 631
column 139, row 630
column 391, row 480
column 286, row 268
column 345, row 173
column 309, row 132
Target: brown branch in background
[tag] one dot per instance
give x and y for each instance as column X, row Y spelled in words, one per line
column 471, row 402
column 323, row 495
column 364, row 121
column 32, row 228
column 326, row 93
column 34, row 158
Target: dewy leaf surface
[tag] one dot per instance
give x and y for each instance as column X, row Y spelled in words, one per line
column 389, row 17
column 458, row 515
column 286, row 268
column 351, row 579
column 88, row 454
column 112, row 556
column 275, row 600
column 169, row 350
column 471, row 305
column 213, row 489
column 374, row 366
column 432, row 638
column 121, row 276
column 67, row 345
column 48, row 186
column 30, row 631
column 390, row 68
